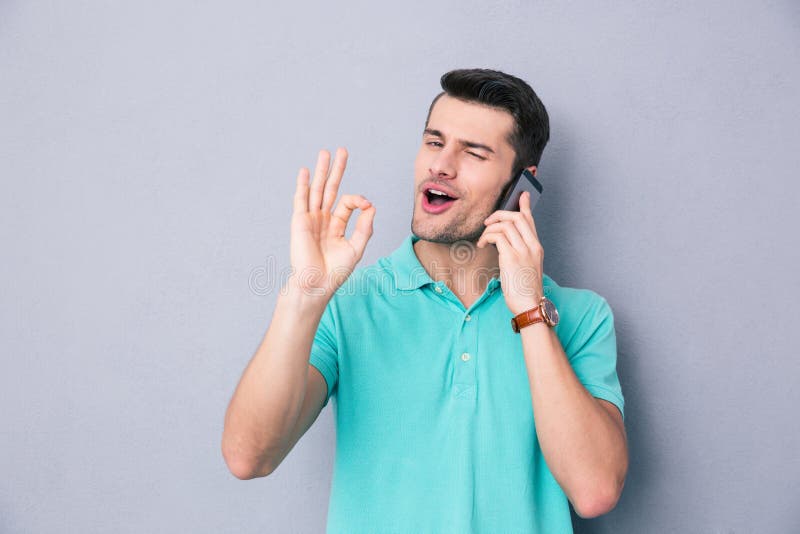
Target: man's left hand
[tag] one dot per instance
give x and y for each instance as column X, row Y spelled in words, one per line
column 521, row 256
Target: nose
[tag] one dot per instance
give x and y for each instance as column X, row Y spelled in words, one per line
column 443, row 165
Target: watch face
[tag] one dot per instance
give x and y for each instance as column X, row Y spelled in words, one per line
column 550, row 311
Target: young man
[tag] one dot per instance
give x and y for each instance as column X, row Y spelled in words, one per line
column 448, row 419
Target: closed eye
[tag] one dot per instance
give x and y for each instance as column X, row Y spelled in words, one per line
column 438, row 144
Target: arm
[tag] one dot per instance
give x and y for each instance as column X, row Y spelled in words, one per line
column 280, row 395
column 582, row 437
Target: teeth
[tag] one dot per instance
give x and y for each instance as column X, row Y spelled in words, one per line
column 437, row 192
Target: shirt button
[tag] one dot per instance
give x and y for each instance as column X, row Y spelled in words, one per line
column 438, row 289
column 465, row 356
column 467, row 318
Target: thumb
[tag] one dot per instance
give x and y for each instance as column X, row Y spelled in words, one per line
column 363, row 230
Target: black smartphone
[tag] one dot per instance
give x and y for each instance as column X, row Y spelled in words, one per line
column 526, row 181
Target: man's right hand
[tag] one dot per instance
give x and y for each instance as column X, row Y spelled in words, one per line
column 321, row 257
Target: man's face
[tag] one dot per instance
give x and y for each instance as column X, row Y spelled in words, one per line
column 466, row 154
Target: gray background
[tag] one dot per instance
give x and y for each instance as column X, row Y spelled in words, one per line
column 148, row 154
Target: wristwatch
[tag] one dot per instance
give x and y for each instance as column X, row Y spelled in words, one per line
column 545, row 312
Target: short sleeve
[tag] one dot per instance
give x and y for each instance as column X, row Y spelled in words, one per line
column 324, row 351
column 592, row 353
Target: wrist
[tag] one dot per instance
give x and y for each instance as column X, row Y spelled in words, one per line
column 302, row 299
column 544, row 311
column 525, row 305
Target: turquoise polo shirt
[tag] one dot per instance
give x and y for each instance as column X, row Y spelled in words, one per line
column 435, row 430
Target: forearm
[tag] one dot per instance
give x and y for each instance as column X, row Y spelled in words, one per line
column 584, row 447
column 267, row 401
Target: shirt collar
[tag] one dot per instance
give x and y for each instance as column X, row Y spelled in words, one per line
column 407, row 270
column 409, row 273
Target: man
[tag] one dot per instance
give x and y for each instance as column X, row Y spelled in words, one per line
column 448, row 419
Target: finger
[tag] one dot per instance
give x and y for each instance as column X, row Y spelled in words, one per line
column 525, row 204
column 506, row 214
column 496, row 215
column 525, row 209
column 301, row 192
column 524, row 226
column 489, row 230
column 509, row 230
column 363, row 230
column 332, row 185
column 344, row 208
column 481, row 240
column 499, row 240
column 320, row 175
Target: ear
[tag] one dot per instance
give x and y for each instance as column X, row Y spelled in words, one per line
column 532, row 168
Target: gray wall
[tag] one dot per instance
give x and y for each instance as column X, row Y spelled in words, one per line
column 148, row 153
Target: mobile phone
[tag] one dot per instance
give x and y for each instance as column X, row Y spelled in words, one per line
column 526, row 181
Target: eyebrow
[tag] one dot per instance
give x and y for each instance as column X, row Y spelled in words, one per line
column 470, row 144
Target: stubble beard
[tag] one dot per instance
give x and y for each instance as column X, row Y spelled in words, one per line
column 459, row 230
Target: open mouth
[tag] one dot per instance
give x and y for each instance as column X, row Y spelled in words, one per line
column 435, row 201
column 437, row 198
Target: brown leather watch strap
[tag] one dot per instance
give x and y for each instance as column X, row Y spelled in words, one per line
column 527, row 318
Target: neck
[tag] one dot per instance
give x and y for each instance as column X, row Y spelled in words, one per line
column 463, row 267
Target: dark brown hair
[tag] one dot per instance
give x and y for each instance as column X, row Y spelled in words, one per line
column 500, row 90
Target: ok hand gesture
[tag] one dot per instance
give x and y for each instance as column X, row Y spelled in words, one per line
column 321, row 257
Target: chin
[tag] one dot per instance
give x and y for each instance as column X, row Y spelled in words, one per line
column 446, row 236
